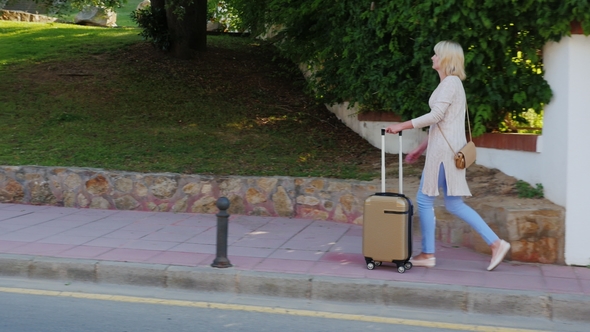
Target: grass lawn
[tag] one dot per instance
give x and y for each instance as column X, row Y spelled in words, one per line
column 98, row 97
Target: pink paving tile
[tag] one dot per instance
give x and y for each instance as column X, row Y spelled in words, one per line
column 249, row 252
column 105, row 224
column 24, row 221
column 11, row 227
column 185, row 229
column 328, row 234
column 39, row 230
column 84, row 252
column 329, row 226
column 255, row 242
column 304, row 255
column 558, row 271
column 62, row 239
column 291, row 226
column 21, row 207
column 449, row 277
column 283, row 265
column 339, row 270
column 461, row 254
column 108, row 242
column 195, row 248
column 308, row 244
column 96, row 212
column 80, row 231
column 246, row 227
column 64, row 224
column 178, row 258
column 209, row 238
column 149, row 245
column 164, row 218
column 355, row 231
column 7, row 245
column 196, row 222
column 582, row 272
column 23, row 237
column 243, row 262
column 279, row 221
column 168, row 236
column 140, row 226
column 77, row 219
column 350, row 244
column 510, row 281
column 563, row 285
column 520, row 269
column 128, row 255
column 4, row 214
column 585, row 286
column 42, row 249
column 271, row 234
column 128, row 234
column 461, row 265
column 126, row 214
column 337, row 257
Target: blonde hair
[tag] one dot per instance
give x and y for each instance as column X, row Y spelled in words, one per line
column 451, row 58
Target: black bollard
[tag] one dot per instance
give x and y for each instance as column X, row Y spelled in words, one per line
column 221, row 260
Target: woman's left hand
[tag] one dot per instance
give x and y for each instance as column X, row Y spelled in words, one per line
column 394, row 128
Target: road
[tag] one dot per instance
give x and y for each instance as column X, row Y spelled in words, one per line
column 43, row 306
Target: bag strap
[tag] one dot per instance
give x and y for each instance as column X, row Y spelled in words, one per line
column 468, row 126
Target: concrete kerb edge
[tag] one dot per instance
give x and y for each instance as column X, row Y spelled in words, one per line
column 390, row 293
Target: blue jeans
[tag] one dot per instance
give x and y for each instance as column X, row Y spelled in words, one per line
column 453, row 204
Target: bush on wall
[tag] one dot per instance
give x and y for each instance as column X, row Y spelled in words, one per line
column 378, row 53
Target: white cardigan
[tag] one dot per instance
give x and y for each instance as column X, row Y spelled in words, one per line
column 447, row 109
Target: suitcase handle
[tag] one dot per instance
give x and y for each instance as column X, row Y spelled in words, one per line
column 401, row 170
column 390, row 194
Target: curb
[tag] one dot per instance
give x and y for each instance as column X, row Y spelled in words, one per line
column 467, row 299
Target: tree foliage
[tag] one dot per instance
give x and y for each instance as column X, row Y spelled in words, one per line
column 380, row 57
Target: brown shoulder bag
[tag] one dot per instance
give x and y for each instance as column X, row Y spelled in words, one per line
column 466, row 156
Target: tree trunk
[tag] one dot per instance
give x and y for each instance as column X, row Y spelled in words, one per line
column 189, row 31
column 201, row 38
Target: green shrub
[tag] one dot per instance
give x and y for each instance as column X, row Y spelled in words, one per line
column 525, row 190
column 380, row 57
column 152, row 22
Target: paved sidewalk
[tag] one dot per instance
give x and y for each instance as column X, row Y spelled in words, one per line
column 273, row 256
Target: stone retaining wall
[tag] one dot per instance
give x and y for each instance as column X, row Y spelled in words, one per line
column 326, row 199
column 20, row 16
column 536, row 234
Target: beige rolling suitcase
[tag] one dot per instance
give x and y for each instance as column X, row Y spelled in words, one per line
column 387, row 222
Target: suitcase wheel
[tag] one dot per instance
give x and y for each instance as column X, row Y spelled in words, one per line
column 401, row 269
column 372, row 265
column 408, row 265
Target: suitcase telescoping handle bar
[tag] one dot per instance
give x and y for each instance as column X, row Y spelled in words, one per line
column 401, row 170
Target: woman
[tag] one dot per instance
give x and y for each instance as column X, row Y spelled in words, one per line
column 447, row 116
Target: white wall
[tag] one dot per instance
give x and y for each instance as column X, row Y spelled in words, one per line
column 553, row 163
column 573, row 56
column 519, row 164
column 371, row 130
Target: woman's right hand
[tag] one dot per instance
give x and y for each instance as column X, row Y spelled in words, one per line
column 413, row 156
